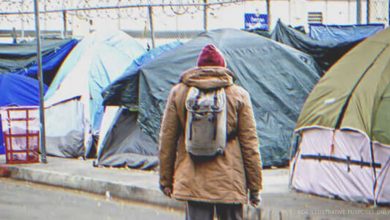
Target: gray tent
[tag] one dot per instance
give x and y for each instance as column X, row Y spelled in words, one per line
column 125, row 144
column 277, row 77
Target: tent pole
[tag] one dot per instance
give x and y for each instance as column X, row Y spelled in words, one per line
column 358, row 11
column 151, row 23
column 64, row 20
column 268, row 6
column 42, row 135
column 368, row 11
column 205, row 12
column 374, row 170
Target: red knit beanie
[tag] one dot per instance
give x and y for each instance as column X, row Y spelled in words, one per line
column 211, row 56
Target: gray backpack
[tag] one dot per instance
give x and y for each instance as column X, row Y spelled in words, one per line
column 206, row 122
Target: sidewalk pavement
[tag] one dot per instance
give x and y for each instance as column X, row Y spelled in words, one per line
column 142, row 186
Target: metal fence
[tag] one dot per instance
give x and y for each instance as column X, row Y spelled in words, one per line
column 178, row 19
column 378, row 11
column 65, row 16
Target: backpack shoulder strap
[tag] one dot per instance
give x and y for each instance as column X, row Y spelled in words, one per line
column 182, row 102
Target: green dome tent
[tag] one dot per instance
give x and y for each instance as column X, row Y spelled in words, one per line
column 344, row 128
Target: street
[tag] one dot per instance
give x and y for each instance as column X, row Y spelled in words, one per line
column 23, row 200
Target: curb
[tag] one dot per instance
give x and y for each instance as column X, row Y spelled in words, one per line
column 119, row 190
column 295, row 206
column 94, row 185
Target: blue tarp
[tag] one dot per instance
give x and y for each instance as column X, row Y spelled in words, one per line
column 124, row 90
column 326, row 53
column 21, row 58
column 17, row 90
column 343, row 33
column 50, row 62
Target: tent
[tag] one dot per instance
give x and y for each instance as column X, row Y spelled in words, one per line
column 342, row 147
column 124, row 90
column 21, row 58
column 121, row 142
column 326, row 52
column 343, row 33
column 260, row 32
column 124, row 144
column 277, row 77
column 74, row 98
column 17, row 90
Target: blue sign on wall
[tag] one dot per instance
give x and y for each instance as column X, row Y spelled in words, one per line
column 256, row 21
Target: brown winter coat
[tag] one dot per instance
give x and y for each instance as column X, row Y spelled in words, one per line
column 226, row 178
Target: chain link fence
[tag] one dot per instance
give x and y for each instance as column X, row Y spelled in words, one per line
column 378, row 11
column 166, row 20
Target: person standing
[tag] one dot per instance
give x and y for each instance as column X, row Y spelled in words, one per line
column 208, row 149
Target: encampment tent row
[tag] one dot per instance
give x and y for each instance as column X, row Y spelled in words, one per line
column 341, row 144
column 344, row 128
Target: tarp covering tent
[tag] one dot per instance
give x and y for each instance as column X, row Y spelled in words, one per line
column 21, row 58
column 121, row 142
column 277, row 77
column 17, row 90
column 124, row 90
column 344, row 127
column 343, row 33
column 260, row 32
column 75, row 92
column 325, row 52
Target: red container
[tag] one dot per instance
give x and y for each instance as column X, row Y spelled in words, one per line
column 21, row 134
